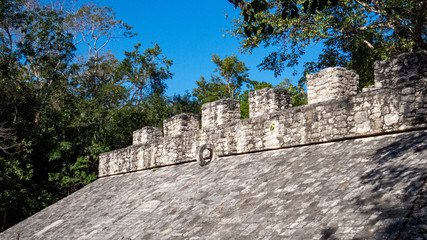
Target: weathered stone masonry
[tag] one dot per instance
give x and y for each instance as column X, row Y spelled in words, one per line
column 397, row 102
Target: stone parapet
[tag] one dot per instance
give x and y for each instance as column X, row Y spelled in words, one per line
column 376, row 112
column 220, row 112
column 331, row 83
column 180, row 123
column 399, row 107
column 403, row 68
column 146, row 134
column 268, row 101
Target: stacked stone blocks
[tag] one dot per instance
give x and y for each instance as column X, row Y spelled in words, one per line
column 268, row 101
column 181, row 123
column 331, row 83
column 146, row 134
column 220, row 112
column 401, row 107
column 406, row 67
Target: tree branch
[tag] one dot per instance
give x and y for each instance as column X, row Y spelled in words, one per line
column 7, row 136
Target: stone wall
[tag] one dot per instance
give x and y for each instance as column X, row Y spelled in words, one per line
column 268, row 101
column 403, row 68
column 220, row 112
column 399, row 107
column 181, row 123
column 146, row 134
column 331, row 83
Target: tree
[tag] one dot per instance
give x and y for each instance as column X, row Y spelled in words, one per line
column 147, row 72
column 46, row 48
column 232, row 74
column 57, row 114
column 184, row 104
column 37, row 55
column 10, row 20
column 6, row 138
column 96, row 27
column 210, row 91
column 232, row 71
column 354, row 32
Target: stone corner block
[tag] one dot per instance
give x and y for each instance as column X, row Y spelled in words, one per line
column 181, row 123
column 268, row 101
column 401, row 69
column 220, row 112
column 146, row 134
column 331, row 83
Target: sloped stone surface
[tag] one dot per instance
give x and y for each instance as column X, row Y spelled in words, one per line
column 367, row 188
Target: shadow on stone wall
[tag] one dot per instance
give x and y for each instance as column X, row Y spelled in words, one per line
column 394, row 199
column 328, row 233
column 397, row 189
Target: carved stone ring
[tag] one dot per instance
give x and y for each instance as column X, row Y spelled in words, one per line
column 205, row 160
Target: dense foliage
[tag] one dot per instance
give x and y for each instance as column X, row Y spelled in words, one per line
column 58, row 111
column 354, row 33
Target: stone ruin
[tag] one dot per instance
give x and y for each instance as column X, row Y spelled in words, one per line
column 331, row 83
column 268, row 101
column 335, row 111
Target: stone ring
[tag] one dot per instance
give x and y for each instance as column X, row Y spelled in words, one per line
column 205, row 160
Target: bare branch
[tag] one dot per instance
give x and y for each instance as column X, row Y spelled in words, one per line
column 7, row 136
column 370, row 8
column 368, row 44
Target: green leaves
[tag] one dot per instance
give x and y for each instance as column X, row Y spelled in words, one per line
column 74, row 176
column 147, row 71
column 359, row 31
column 45, row 48
column 233, row 73
column 299, row 96
column 64, row 113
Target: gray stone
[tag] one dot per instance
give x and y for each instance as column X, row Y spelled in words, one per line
column 391, row 119
column 221, row 112
column 331, row 83
column 401, row 69
column 365, row 188
column 373, row 112
column 181, row 123
column 146, row 134
column 269, row 101
column 320, row 185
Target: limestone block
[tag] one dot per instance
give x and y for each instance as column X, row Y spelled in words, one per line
column 401, row 69
column 383, row 110
column 220, row 112
column 180, row 123
column 146, row 135
column 331, row 83
column 268, row 101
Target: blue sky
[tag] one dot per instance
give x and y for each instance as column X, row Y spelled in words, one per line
column 189, row 32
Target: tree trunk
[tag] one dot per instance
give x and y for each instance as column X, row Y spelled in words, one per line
column 419, row 22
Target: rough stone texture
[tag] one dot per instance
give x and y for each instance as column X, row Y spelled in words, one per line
column 268, row 101
column 181, row 123
column 220, row 112
column 331, row 83
column 366, row 188
column 146, row 134
column 401, row 108
column 403, row 68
